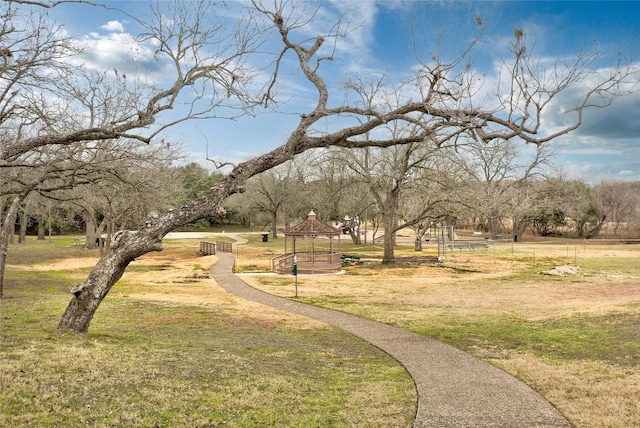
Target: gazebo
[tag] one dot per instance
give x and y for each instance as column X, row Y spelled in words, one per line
column 312, row 246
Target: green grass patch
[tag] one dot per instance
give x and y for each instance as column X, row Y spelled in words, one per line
column 34, row 251
column 39, row 282
column 613, row 338
column 612, row 265
column 146, row 364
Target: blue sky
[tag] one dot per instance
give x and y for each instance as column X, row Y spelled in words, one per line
column 607, row 146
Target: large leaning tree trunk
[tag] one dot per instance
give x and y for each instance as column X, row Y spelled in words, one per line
column 129, row 244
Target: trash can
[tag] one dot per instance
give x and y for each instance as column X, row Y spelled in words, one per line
column 265, row 237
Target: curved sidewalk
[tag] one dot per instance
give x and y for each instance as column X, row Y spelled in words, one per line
column 454, row 388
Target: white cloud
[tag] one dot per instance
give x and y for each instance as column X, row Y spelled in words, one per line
column 358, row 42
column 619, row 120
column 113, row 26
column 593, row 160
column 122, row 52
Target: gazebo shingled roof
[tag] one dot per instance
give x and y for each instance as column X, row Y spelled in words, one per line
column 311, row 226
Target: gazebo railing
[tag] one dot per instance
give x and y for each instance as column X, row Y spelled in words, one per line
column 282, row 262
column 318, row 257
column 306, row 261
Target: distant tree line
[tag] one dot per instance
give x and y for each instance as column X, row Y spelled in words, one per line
column 511, row 197
column 493, row 189
column 117, row 201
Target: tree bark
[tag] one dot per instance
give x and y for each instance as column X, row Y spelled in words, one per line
column 6, row 233
column 519, row 226
column 389, row 221
column 23, row 227
column 418, row 244
column 90, row 227
column 274, row 224
column 355, row 235
column 88, row 295
column 42, row 230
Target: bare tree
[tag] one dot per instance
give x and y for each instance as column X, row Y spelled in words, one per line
column 394, row 176
column 617, row 203
column 43, row 171
column 428, row 201
column 316, row 180
column 443, row 112
column 272, row 192
column 343, row 196
column 496, row 176
column 583, row 210
column 140, row 181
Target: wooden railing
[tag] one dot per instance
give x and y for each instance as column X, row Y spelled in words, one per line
column 207, row 248
column 210, row 248
column 306, row 261
column 225, row 247
column 282, row 263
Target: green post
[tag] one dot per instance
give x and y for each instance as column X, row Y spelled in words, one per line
column 294, row 271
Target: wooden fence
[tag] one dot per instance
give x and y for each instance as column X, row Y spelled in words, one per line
column 225, row 247
column 207, row 248
column 210, row 248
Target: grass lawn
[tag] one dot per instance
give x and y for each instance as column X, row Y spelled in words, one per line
column 169, row 348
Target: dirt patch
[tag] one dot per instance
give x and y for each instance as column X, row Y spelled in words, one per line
column 469, row 283
column 68, row 264
column 186, row 281
column 564, row 270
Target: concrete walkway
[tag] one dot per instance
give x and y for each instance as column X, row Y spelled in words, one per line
column 454, row 388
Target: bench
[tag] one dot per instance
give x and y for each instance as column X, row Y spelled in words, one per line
column 77, row 242
column 467, row 245
column 350, row 259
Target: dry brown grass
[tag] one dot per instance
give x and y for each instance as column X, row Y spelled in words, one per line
column 185, row 279
column 591, row 393
column 475, row 296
